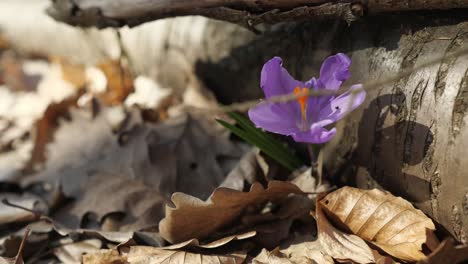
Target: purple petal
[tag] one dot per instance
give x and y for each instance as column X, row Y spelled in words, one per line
column 275, row 80
column 273, row 118
column 334, row 71
column 343, row 104
column 316, row 136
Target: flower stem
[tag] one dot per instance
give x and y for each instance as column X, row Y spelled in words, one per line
column 314, row 151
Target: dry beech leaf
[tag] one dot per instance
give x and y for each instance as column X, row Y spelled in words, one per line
column 271, row 257
column 105, row 256
column 151, row 255
column 194, row 218
column 383, row 259
column 390, row 222
column 340, row 246
column 218, row 243
column 447, row 252
column 307, row 252
column 71, row 253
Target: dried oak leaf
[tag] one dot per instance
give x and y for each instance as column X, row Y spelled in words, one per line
column 147, row 255
column 389, row 222
column 138, row 205
column 140, row 255
column 46, row 225
column 165, row 156
column 339, row 245
column 214, row 244
column 194, row 218
column 170, row 254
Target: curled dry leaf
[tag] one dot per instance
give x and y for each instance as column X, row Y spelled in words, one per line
column 214, row 244
column 271, row 257
column 390, row 222
column 71, row 253
column 143, row 254
column 104, row 256
column 447, row 252
column 307, row 252
column 340, row 246
column 245, row 170
column 194, row 218
column 139, row 206
column 147, row 255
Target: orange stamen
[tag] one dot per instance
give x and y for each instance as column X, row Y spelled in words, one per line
column 302, row 100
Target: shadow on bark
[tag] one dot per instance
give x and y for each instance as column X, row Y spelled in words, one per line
column 389, row 153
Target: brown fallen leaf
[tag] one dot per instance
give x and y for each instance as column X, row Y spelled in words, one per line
column 271, row 257
column 139, row 206
column 390, row 222
column 119, row 82
column 143, row 254
column 275, row 226
column 307, row 183
column 71, row 253
column 214, row 244
column 383, row 258
column 170, row 254
column 246, row 170
column 18, row 259
column 307, row 252
column 339, row 245
column 105, row 256
column 164, row 156
column 447, row 252
column 72, row 73
column 194, row 218
column 45, row 128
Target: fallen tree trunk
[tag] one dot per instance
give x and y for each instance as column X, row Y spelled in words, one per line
column 248, row 13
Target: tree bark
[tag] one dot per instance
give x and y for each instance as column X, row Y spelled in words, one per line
column 248, row 13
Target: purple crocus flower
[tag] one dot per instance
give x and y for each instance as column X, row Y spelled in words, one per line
column 305, row 119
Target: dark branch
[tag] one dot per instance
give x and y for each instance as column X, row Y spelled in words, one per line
column 248, row 13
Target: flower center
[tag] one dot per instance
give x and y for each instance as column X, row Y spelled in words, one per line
column 302, row 100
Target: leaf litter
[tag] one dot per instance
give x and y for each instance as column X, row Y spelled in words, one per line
column 106, row 167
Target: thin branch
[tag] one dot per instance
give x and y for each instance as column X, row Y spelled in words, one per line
column 248, row 13
column 17, row 206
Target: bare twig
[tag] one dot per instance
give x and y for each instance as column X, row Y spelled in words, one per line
column 8, row 203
